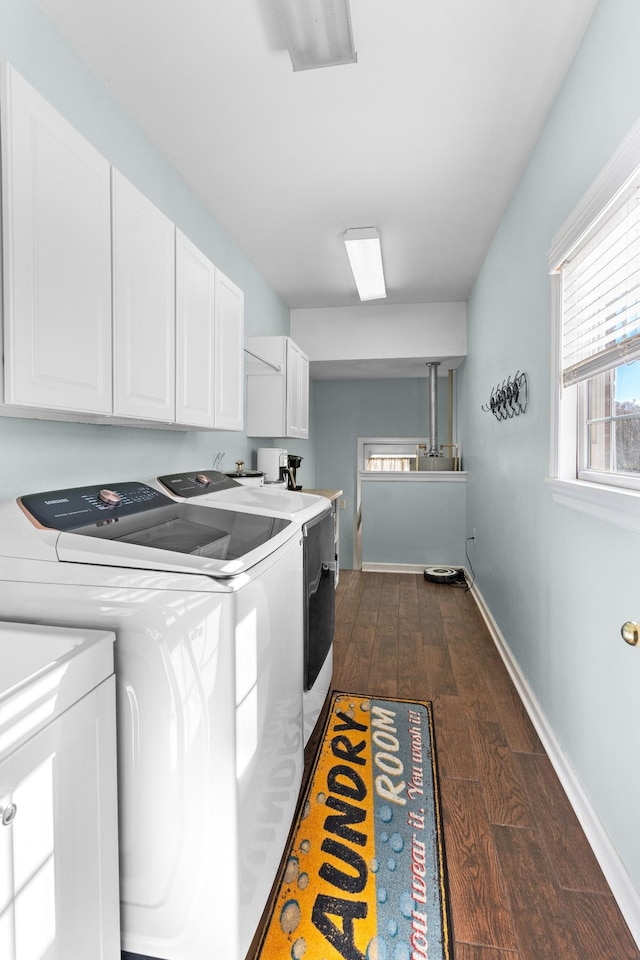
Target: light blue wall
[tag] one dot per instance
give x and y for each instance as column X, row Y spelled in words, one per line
column 39, row 455
column 558, row 583
column 413, row 522
column 344, row 410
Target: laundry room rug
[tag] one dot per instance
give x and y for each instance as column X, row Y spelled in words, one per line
column 364, row 877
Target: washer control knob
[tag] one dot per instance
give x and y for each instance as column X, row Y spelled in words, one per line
column 8, row 814
column 631, row 632
column 203, row 480
column 110, row 497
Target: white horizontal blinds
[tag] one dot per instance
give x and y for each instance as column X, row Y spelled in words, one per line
column 601, row 294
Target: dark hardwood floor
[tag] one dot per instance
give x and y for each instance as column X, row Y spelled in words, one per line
column 524, row 884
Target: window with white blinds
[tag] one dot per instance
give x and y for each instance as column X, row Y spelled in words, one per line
column 601, row 292
column 594, row 262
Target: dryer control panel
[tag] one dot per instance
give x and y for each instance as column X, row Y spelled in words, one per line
column 197, row 483
column 82, row 506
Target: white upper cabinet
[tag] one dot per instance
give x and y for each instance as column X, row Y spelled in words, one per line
column 229, row 354
column 143, row 305
column 56, row 258
column 209, row 342
column 303, row 372
column 277, row 389
column 297, row 391
column 108, row 311
column 195, row 298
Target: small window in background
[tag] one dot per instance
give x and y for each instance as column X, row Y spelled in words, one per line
column 397, row 461
column 392, row 455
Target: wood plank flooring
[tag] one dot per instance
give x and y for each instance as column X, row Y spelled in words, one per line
column 524, row 884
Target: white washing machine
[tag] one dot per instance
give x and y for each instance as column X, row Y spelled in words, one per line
column 209, row 702
column 315, row 515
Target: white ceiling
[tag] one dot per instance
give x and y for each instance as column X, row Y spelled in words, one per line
column 425, row 137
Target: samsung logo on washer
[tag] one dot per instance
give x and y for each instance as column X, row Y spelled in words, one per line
column 48, row 503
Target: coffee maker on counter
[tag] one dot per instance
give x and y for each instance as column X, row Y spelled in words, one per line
column 288, row 473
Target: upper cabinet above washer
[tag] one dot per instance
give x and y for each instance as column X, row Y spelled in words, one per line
column 143, row 305
column 209, row 342
column 195, row 299
column 229, row 354
column 56, row 258
column 94, row 328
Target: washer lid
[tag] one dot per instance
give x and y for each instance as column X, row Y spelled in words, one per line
column 215, row 489
column 133, row 525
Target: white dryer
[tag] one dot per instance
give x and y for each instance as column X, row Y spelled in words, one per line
column 315, row 515
column 209, row 700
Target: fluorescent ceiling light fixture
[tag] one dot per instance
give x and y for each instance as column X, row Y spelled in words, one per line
column 365, row 257
column 317, row 32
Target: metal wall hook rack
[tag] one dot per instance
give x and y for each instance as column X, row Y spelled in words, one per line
column 509, row 398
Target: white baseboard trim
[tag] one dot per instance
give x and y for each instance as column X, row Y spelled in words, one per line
column 405, row 567
column 393, row 567
column 622, row 887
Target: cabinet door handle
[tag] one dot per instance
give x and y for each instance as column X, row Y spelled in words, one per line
column 8, row 814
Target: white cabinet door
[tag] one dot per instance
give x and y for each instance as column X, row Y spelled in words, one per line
column 195, row 297
column 143, row 305
column 297, row 391
column 229, row 354
column 56, row 258
column 209, row 342
column 293, row 389
column 303, row 395
column 61, row 848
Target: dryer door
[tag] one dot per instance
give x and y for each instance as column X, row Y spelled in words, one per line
column 320, row 598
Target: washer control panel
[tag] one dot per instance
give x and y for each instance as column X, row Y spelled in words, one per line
column 196, row 483
column 82, row 506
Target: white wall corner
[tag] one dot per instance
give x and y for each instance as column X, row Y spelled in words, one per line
column 381, row 331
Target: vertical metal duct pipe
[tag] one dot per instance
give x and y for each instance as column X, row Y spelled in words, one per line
column 450, row 437
column 433, row 450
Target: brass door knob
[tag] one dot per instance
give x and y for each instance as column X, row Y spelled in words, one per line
column 631, row 632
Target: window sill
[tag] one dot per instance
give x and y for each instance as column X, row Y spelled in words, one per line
column 611, row 504
column 411, row 476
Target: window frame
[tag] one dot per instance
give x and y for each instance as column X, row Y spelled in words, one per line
column 614, row 502
column 584, row 471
